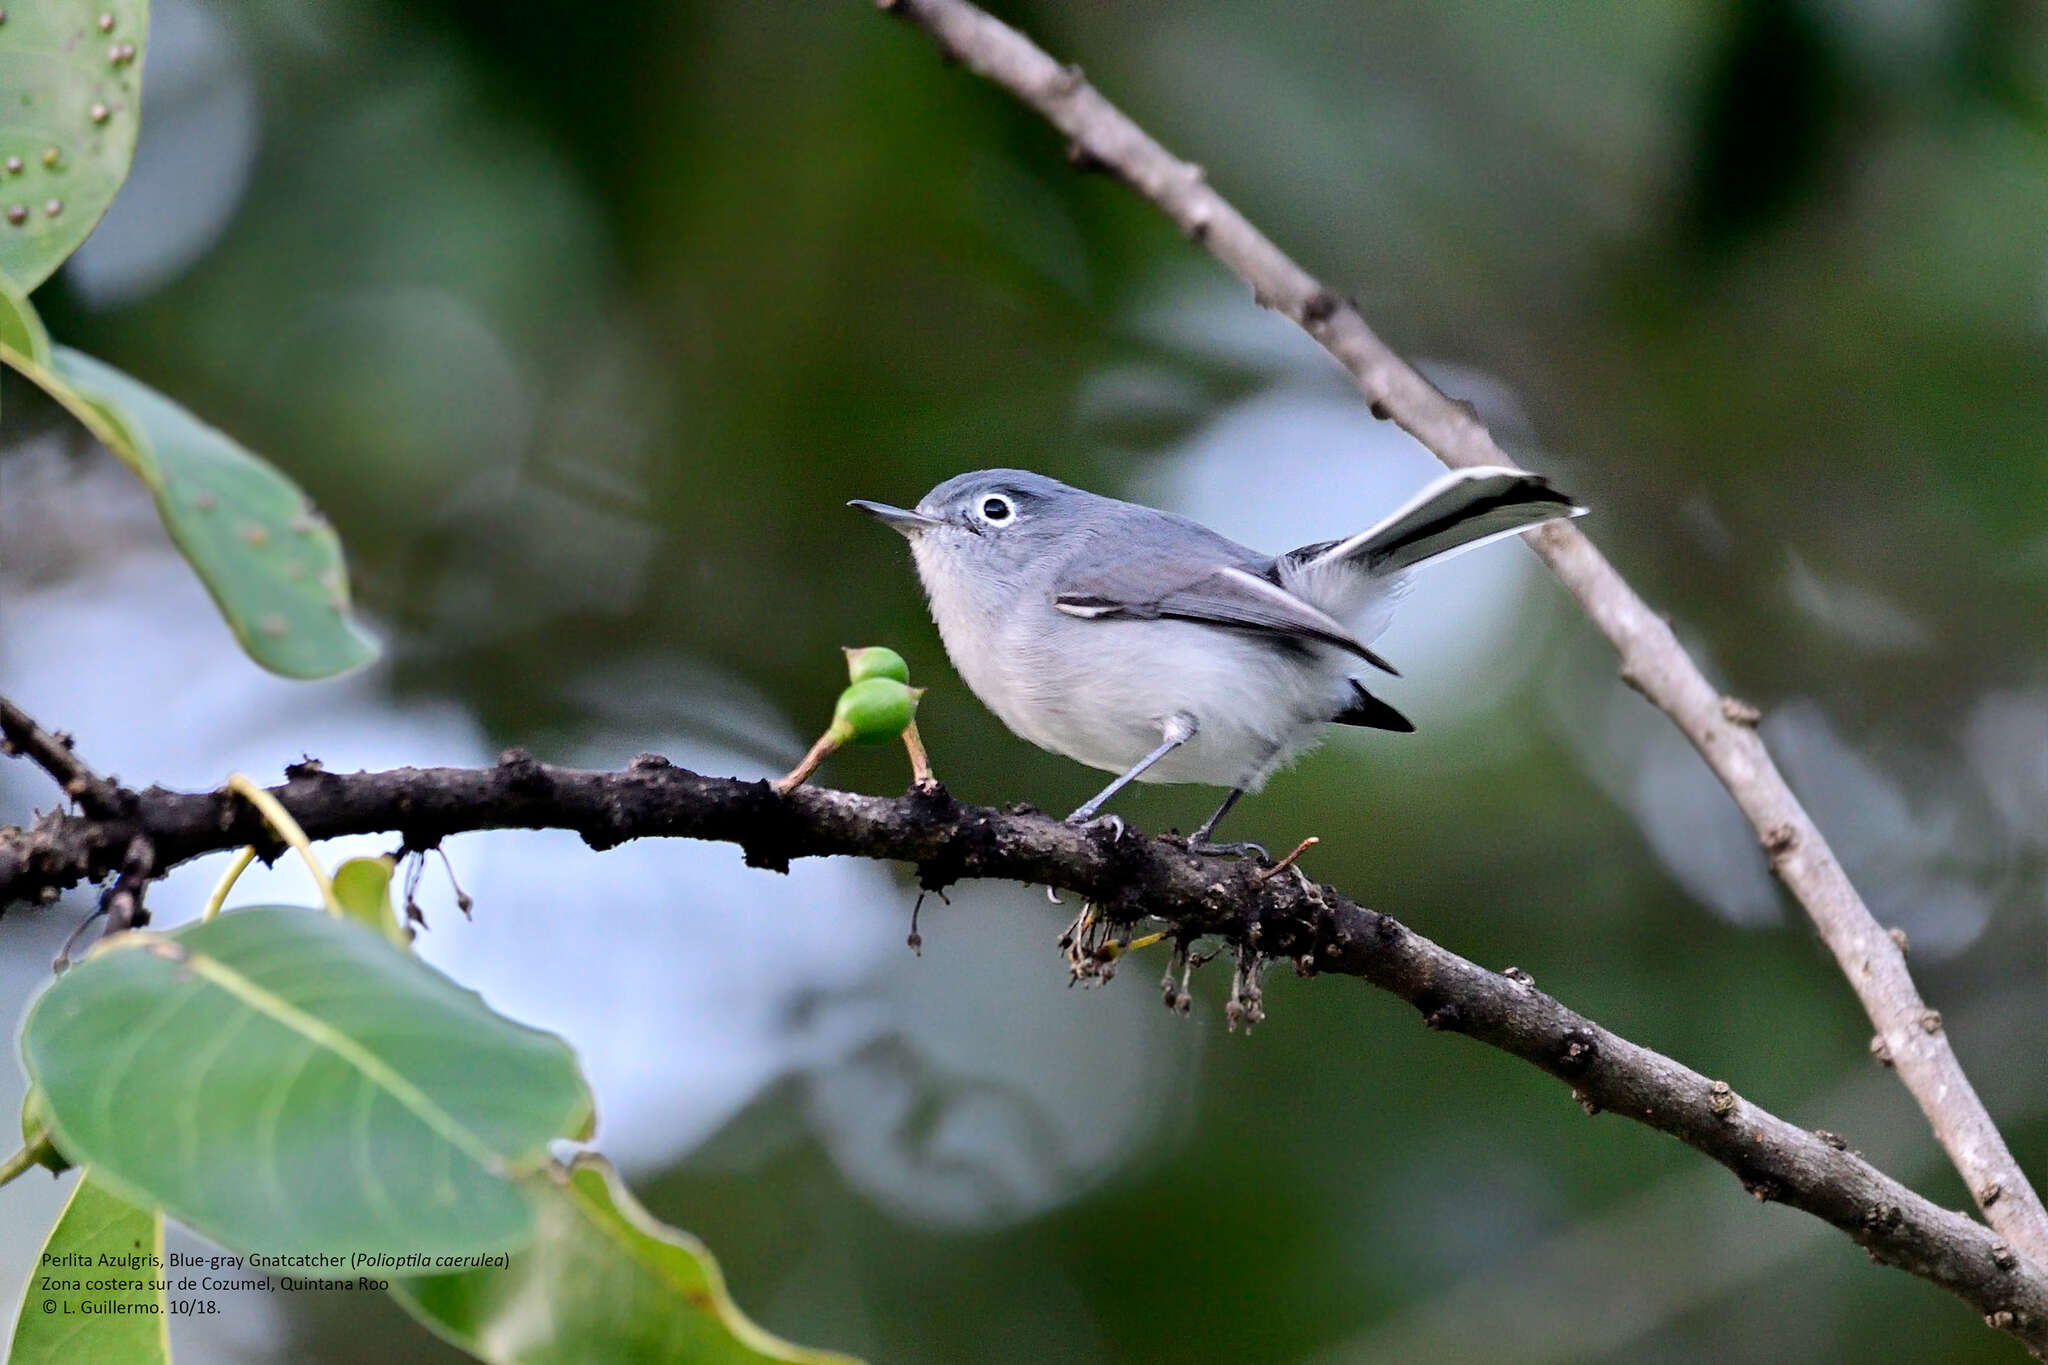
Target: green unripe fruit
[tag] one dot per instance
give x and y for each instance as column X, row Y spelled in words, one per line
column 873, row 711
column 875, row 661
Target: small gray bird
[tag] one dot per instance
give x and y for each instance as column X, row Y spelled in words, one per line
column 1147, row 645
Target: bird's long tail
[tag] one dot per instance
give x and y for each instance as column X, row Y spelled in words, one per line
column 1464, row 508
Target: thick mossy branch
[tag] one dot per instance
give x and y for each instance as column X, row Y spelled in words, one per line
column 1284, row 916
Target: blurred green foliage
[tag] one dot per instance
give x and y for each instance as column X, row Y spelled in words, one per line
column 582, row 331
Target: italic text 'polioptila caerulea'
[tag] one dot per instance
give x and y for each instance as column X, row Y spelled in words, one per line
column 1147, row 645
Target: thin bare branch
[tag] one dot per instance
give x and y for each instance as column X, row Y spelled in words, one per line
column 1721, row 728
column 19, row 734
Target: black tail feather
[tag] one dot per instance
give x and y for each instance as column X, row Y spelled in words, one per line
column 1371, row 713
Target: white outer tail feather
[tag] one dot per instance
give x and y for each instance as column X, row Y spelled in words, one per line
column 1359, row 580
column 1458, row 491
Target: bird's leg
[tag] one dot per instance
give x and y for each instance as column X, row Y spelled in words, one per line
column 1198, row 842
column 1179, row 729
column 1201, row 836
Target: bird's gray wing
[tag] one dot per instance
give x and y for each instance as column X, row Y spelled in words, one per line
column 1199, row 588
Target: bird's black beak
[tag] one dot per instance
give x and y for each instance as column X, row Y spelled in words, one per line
column 906, row 522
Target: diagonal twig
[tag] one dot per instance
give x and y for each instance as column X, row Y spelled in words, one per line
column 19, row 734
column 1652, row 661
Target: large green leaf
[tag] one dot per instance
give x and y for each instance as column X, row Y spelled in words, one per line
column 20, row 328
column 602, row 1281
column 59, row 1325
column 70, row 104
column 363, row 887
column 282, row 1080
column 21, row 331
column 271, row 561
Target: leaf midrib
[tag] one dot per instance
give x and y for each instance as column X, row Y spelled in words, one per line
column 324, row 1035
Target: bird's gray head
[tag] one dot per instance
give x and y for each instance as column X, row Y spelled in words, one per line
column 986, row 522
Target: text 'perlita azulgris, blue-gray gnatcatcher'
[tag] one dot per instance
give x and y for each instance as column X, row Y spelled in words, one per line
column 1147, row 645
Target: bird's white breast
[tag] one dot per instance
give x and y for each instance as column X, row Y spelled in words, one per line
column 1100, row 691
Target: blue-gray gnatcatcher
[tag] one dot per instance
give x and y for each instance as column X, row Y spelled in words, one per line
column 1147, row 645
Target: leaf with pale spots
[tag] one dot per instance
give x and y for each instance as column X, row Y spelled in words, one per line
column 59, row 1325
column 271, row 561
column 601, row 1280
column 284, row 1081
column 70, row 105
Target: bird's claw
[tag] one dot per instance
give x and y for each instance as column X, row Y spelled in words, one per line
column 1113, row 823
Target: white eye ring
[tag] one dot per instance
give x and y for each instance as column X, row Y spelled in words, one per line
column 996, row 510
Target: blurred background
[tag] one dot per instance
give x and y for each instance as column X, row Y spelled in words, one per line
column 582, row 330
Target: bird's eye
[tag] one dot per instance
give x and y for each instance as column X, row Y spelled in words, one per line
column 996, row 509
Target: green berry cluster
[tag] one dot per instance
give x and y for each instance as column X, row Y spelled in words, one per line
column 878, row 705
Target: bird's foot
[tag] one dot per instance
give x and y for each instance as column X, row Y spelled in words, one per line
column 1082, row 821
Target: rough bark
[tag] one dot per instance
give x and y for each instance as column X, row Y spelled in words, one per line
column 1129, row 877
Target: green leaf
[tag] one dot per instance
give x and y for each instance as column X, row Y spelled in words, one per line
column 602, row 1280
column 35, row 1134
column 59, row 1325
column 271, row 561
column 71, row 71
column 20, row 329
column 363, row 886
column 281, row 1081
